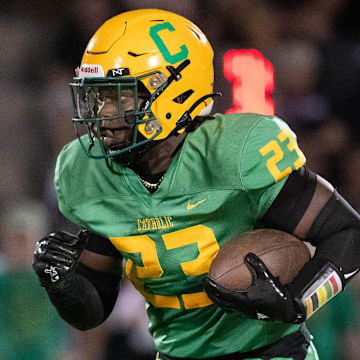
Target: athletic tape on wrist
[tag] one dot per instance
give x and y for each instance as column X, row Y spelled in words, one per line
column 325, row 286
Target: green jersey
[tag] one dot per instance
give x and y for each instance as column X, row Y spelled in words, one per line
column 219, row 185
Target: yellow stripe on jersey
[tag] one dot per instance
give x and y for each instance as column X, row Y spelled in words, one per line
column 196, row 300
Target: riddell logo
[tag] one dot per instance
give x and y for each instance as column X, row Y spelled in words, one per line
column 87, row 71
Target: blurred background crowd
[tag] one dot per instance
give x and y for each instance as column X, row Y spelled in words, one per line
column 314, row 46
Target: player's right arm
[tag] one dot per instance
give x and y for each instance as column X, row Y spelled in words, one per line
column 299, row 202
column 81, row 284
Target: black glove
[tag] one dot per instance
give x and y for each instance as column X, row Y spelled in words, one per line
column 56, row 257
column 266, row 298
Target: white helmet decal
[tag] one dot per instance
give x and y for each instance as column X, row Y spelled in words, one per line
column 91, row 71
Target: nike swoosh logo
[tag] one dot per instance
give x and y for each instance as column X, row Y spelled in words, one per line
column 189, row 206
column 346, row 276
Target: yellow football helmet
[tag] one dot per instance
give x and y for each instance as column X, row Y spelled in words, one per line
column 150, row 49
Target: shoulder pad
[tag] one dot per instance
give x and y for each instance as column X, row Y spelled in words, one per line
column 269, row 154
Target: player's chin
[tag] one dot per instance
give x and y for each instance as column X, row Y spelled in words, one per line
column 113, row 148
column 126, row 158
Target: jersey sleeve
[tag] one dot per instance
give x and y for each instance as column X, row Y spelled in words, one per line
column 61, row 193
column 269, row 154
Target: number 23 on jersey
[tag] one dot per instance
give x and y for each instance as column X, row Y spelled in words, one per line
column 274, row 148
column 151, row 268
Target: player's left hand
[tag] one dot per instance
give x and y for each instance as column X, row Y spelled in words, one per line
column 266, row 298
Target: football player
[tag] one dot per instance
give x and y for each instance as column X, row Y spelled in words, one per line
column 155, row 180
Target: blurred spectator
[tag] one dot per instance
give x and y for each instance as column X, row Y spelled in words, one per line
column 30, row 327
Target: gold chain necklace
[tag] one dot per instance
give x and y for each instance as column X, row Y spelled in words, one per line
column 150, row 185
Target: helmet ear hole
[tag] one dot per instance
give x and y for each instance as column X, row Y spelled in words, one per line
column 180, row 99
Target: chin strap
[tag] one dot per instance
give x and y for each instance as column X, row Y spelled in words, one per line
column 186, row 118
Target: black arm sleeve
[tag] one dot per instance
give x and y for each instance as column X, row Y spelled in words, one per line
column 88, row 299
column 336, row 235
column 293, row 200
column 335, row 231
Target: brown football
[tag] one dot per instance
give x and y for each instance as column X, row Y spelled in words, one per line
column 283, row 254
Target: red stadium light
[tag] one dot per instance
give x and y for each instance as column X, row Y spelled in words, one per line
column 252, row 77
